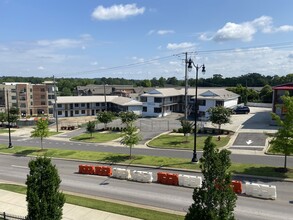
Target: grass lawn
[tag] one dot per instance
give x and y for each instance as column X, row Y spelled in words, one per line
column 179, row 141
column 5, row 130
column 98, row 137
column 105, row 206
column 112, row 158
column 52, row 133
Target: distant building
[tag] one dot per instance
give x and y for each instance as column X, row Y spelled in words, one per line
column 116, row 90
column 31, row 99
column 74, row 106
column 278, row 92
column 164, row 101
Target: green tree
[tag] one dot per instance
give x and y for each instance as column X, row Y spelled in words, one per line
column 219, row 115
column 266, row 94
column 105, row 117
column 41, row 130
column 44, row 200
column 13, row 115
column 215, row 200
column 131, row 137
column 186, row 128
column 283, row 139
column 3, row 117
column 128, row 117
column 91, row 127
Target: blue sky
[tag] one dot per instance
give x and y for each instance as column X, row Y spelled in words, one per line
column 146, row 38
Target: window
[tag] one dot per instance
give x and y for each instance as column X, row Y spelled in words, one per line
column 82, row 104
column 76, row 105
column 43, row 90
column 219, row 103
column 201, row 102
column 43, row 103
column 22, row 98
column 82, row 111
column 59, row 112
column 144, row 109
column 158, row 100
column 97, row 104
column 13, row 97
column 22, row 105
column 59, row 105
column 143, row 99
column 157, row 110
column 43, row 96
column 51, row 97
column 76, row 112
column 13, row 90
column 201, row 114
column 50, row 111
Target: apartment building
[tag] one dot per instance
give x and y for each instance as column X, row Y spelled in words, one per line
column 75, row 106
column 31, row 99
column 164, row 101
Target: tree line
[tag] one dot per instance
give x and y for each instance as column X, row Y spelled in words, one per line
column 237, row 84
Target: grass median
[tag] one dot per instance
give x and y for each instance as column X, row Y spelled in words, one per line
column 112, row 158
column 97, row 137
column 178, row 141
column 106, row 206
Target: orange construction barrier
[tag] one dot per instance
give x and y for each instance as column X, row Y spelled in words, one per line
column 81, row 168
column 90, row 169
column 103, row 170
column 173, row 179
column 236, row 186
column 168, row 178
column 162, row 177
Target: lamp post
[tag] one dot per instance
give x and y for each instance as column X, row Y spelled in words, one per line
column 190, row 64
column 9, row 124
column 105, row 97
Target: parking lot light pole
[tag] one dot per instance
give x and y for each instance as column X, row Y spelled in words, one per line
column 190, row 64
column 9, row 124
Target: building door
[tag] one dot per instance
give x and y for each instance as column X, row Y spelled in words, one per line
column 71, row 113
column 66, row 113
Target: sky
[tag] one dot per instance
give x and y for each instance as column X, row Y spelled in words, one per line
column 144, row 39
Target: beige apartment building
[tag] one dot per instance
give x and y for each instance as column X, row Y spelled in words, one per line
column 31, row 99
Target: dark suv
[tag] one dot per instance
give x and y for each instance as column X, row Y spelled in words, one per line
column 241, row 110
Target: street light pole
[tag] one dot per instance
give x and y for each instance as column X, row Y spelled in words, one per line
column 186, row 88
column 8, row 119
column 55, row 104
column 190, row 63
column 105, row 97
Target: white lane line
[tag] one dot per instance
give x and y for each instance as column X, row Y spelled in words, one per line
column 22, row 167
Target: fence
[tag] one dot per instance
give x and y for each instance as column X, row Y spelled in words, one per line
column 6, row 216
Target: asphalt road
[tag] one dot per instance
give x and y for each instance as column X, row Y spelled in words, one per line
column 236, row 158
column 15, row 169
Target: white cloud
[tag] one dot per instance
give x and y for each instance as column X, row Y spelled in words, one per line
column 164, row 32
column 161, row 32
column 41, row 68
column 246, row 30
column 116, row 12
column 59, row 43
column 94, row 63
column 232, row 31
column 284, row 28
column 137, row 59
column 184, row 45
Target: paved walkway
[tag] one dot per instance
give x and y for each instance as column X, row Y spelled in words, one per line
column 15, row 204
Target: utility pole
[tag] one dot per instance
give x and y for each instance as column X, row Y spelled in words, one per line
column 9, row 124
column 106, row 108
column 55, row 104
column 186, row 88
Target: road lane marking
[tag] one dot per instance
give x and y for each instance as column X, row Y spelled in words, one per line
column 22, row 167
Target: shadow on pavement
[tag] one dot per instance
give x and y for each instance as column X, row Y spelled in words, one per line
column 260, row 120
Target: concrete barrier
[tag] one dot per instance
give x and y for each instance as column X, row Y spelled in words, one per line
column 260, row 190
column 141, row 176
column 121, row 173
column 190, row 181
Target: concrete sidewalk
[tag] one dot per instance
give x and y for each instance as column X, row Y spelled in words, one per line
column 15, row 204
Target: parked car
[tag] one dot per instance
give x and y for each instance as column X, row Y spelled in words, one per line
column 241, row 110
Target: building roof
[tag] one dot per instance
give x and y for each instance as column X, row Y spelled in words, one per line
column 202, row 93
column 124, row 101
column 286, row 86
